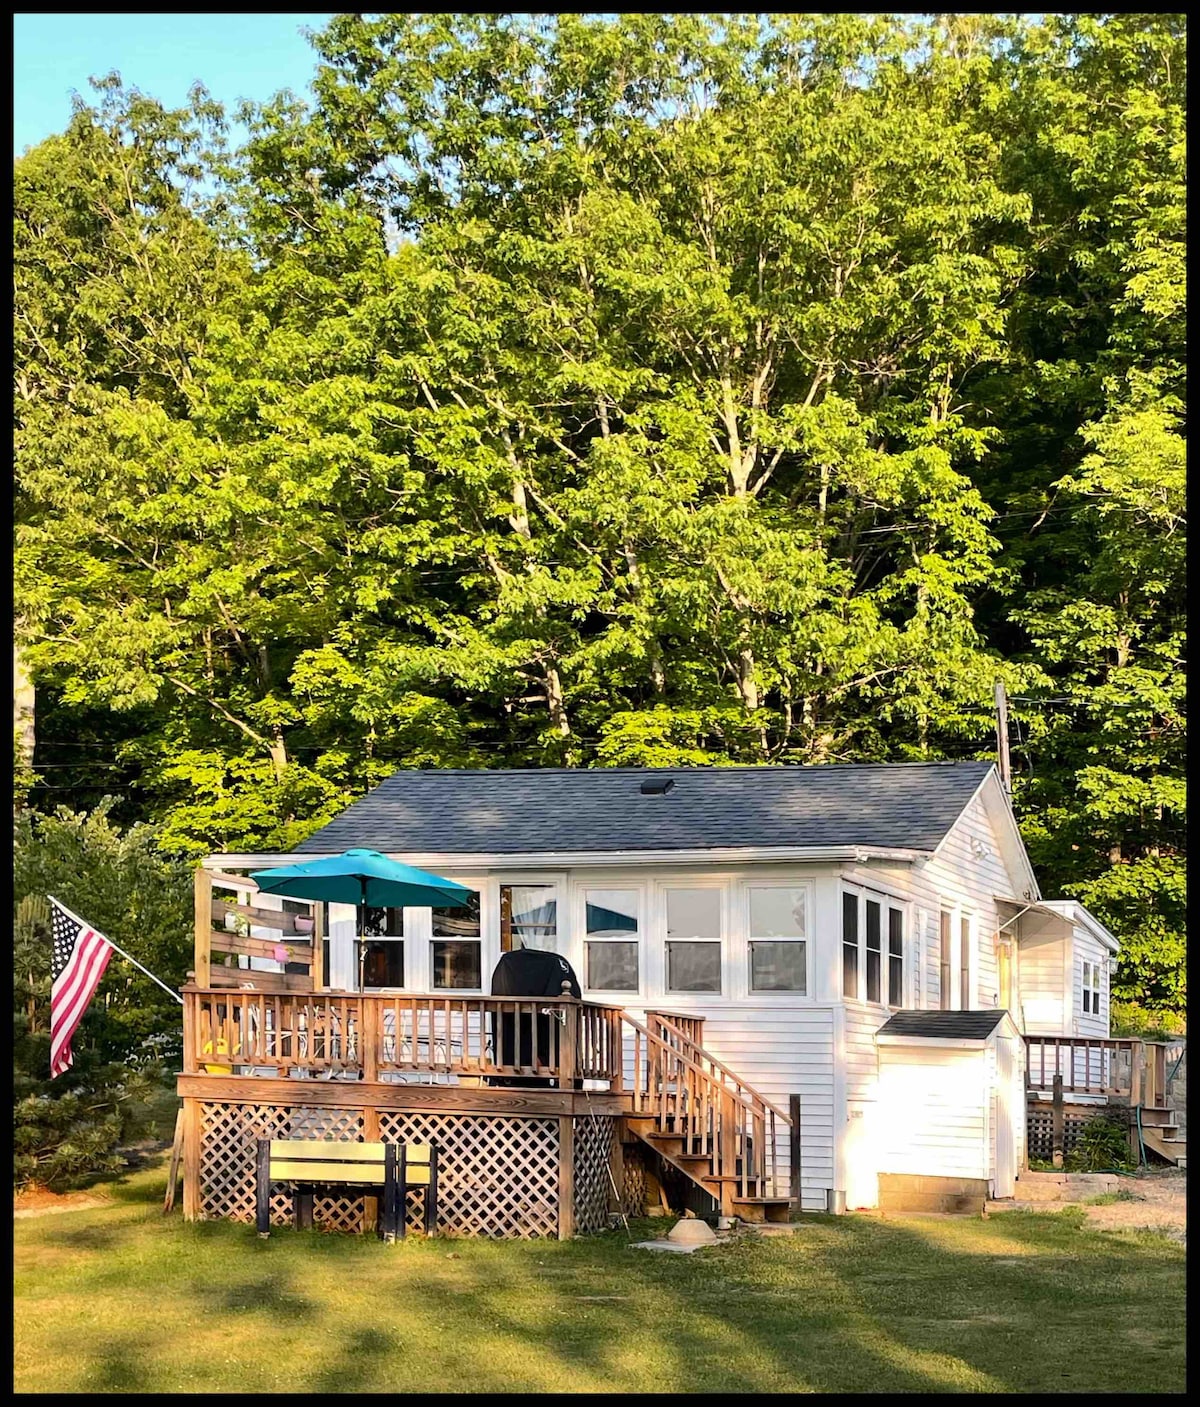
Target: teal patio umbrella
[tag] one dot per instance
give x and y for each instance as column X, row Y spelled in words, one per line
column 364, row 878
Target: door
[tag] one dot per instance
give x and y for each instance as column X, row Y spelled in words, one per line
column 1006, row 1112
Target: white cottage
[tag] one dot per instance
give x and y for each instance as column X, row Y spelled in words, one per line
column 833, row 967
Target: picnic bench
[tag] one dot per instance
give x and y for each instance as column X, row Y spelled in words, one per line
column 324, row 1166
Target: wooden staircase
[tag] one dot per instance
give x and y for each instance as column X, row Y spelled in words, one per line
column 702, row 1119
column 1160, row 1134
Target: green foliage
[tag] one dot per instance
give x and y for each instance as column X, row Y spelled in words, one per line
column 1101, row 1145
column 69, row 1127
column 622, row 390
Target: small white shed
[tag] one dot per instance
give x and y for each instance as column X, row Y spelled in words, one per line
column 951, row 1114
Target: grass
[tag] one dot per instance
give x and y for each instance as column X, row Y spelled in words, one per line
column 121, row 1299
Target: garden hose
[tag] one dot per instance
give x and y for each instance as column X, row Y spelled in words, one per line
column 1175, row 1069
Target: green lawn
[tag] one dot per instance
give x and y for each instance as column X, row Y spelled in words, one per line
column 121, row 1299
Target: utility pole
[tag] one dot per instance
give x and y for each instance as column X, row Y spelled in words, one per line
column 1002, row 737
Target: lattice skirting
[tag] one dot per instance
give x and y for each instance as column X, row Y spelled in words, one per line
column 1040, row 1126
column 633, row 1181
column 497, row 1175
column 593, row 1149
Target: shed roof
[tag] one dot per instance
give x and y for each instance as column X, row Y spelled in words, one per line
column 907, row 806
column 943, row 1025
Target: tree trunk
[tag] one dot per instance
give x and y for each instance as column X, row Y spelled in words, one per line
column 554, row 699
column 24, row 700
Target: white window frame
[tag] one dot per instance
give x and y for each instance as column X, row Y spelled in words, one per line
column 1093, row 989
column 557, row 882
column 603, row 994
column 964, row 916
column 908, row 958
column 805, row 887
column 480, row 888
column 886, row 902
column 721, row 889
column 405, row 938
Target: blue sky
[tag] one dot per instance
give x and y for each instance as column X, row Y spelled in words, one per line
column 234, row 56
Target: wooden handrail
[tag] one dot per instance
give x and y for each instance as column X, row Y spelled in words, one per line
column 1078, row 1058
column 725, row 1070
column 712, row 1120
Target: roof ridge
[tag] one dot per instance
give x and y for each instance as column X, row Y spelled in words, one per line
column 716, row 769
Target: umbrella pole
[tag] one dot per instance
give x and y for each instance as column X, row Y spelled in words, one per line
column 362, row 930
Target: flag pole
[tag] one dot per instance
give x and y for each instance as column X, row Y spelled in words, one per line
column 116, row 949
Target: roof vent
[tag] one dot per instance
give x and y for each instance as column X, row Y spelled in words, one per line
column 657, row 786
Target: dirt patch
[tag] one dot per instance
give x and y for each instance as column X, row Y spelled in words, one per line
column 1159, row 1203
column 40, row 1201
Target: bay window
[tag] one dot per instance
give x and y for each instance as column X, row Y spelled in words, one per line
column 873, row 957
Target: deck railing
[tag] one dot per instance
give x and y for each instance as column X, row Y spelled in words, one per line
column 384, row 1036
column 1119, row 1067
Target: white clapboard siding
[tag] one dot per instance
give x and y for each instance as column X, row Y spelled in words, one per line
column 968, row 873
column 1045, row 960
column 1086, row 948
column 781, row 1052
column 934, row 1111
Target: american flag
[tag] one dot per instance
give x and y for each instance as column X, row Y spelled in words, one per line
column 79, row 958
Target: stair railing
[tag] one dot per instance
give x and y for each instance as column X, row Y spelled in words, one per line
column 690, row 1095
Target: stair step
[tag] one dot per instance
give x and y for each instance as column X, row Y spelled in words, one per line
column 763, row 1208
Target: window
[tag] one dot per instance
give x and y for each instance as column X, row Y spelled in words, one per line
column 895, row 956
column 379, row 953
column 1091, row 987
column 944, row 964
column 850, row 945
column 874, row 941
column 693, row 940
column 456, row 946
column 528, row 916
column 778, row 940
column 611, row 944
column 966, row 992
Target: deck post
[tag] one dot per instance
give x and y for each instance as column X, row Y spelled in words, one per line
column 191, row 1160
column 316, row 970
column 1057, row 1124
column 202, row 884
column 794, row 1150
column 368, row 1037
column 566, row 1177
column 370, row 1133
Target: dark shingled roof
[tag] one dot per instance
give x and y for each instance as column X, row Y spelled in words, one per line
column 943, row 1025
column 897, row 806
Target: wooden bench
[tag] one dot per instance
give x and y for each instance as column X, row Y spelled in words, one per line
column 326, row 1166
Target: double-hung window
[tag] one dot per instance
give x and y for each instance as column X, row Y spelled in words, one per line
column 778, row 939
column 379, row 953
column 528, row 917
column 611, row 941
column 693, row 940
column 873, row 961
column 1091, row 988
column 946, row 920
column 456, row 948
column 850, row 944
column 895, row 993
